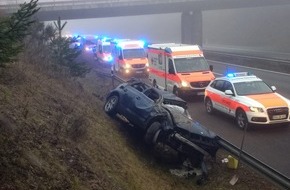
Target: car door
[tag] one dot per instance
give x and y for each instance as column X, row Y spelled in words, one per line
column 170, row 74
column 216, row 94
column 228, row 101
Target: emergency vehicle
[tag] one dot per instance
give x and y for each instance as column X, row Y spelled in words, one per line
column 179, row 68
column 103, row 52
column 248, row 99
column 76, row 41
column 129, row 56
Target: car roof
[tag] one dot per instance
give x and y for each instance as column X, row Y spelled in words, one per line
column 239, row 77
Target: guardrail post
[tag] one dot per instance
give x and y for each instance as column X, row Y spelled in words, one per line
column 236, row 177
column 112, row 76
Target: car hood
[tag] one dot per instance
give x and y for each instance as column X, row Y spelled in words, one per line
column 267, row 100
column 196, row 76
column 184, row 123
column 264, row 100
column 133, row 61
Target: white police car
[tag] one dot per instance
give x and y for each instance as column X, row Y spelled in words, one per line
column 247, row 98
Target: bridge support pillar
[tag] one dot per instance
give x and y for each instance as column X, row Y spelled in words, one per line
column 191, row 27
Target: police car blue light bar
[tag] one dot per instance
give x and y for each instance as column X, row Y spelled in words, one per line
column 239, row 74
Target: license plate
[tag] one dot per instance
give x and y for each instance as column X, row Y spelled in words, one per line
column 279, row 116
column 200, row 93
column 139, row 71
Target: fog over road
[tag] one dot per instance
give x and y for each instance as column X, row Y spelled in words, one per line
column 262, row 30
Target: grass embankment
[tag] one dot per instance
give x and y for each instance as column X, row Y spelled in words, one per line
column 55, row 135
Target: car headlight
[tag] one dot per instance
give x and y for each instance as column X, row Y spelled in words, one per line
column 256, row 109
column 127, row 66
column 108, row 58
column 147, row 64
column 184, row 84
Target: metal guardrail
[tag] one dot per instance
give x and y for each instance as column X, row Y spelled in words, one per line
column 273, row 175
column 261, row 167
column 247, row 55
column 273, row 64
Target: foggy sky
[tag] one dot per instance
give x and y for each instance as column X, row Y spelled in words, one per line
column 155, row 28
column 264, row 29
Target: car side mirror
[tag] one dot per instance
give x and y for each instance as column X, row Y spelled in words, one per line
column 211, row 67
column 229, row 92
column 274, row 88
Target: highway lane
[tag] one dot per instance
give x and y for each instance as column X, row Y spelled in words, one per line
column 268, row 144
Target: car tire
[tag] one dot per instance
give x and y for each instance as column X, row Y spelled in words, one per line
column 152, row 133
column 111, row 104
column 208, row 106
column 241, row 119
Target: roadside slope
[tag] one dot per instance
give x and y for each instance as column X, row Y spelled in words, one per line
column 55, row 135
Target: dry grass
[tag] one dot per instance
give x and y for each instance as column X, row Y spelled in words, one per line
column 55, row 135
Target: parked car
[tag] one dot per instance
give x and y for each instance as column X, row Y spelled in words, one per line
column 164, row 118
column 248, row 99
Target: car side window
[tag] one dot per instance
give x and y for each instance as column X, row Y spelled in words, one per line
column 228, row 86
column 219, row 85
column 170, row 67
column 213, row 84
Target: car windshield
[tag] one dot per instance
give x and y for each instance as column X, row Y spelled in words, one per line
column 106, row 49
column 251, row 88
column 134, row 53
column 190, row 64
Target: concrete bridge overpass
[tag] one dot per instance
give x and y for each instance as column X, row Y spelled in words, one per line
column 191, row 17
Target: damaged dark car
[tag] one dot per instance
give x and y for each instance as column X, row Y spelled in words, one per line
column 164, row 118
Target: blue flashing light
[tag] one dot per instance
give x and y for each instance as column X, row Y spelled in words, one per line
column 142, row 43
column 122, row 43
column 239, row 74
column 230, row 75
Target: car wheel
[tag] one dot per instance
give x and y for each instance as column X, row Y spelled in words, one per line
column 175, row 91
column 241, row 119
column 110, row 106
column 208, row 106
column 152, row 133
